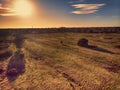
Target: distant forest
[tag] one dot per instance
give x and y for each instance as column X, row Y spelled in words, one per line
column 60, row 30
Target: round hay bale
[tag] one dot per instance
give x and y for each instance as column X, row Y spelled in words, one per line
column 83, row 42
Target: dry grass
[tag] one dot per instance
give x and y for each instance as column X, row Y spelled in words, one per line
column 52, row 65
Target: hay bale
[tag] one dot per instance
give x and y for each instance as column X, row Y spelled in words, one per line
column 83, row 42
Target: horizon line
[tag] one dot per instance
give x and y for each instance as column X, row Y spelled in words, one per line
column 59, row 27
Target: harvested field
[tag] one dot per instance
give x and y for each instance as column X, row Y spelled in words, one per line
column 55, row 62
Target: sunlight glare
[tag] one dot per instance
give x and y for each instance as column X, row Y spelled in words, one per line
column 23, row 8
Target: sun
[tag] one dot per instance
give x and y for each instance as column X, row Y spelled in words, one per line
column 22, row 8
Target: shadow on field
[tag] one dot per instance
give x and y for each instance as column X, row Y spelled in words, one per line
column 111, row 67
column 4, row 47
column 84, row 43
column 19, row 41
column 99, row 49
column 16, row 66
column 5, row 55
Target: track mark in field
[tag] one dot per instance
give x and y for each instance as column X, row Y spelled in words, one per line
column 72, row 81
column 111, row 67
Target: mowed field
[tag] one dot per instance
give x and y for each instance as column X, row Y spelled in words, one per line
column 54, row 61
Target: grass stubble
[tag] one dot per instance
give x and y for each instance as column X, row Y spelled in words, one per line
column 52, row 65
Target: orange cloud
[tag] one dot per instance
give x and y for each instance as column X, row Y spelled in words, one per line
column 5, row 11
column 85, row 12
column 86, row 8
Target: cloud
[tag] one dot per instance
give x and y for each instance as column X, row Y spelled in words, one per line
column 85, row 12
column 87, row 8
column 5, row 11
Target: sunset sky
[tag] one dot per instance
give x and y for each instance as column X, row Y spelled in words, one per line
column 59, row 13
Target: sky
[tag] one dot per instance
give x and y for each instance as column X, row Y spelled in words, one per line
column 59, row 13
